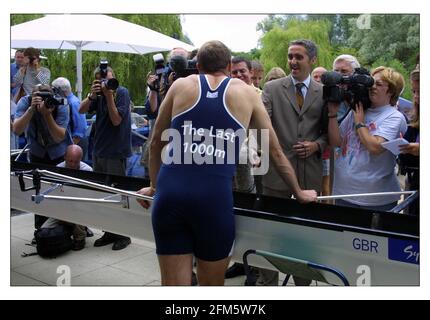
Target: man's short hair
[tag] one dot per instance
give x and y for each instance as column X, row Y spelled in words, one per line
column 42, row 87
column 348, row 58
column 237, row 60
column 63, row 84
column 395, row 81
column 32, row 52
column 311, row 48
column 19, row 51
column 213, row 56
column 178, row 52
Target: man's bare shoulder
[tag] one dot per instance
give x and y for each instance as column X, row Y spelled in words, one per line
column 184, row 83
column 238, row 87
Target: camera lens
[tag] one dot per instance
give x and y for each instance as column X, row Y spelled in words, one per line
column 112, row 84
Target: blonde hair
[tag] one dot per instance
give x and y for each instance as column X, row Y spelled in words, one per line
column 415, row 121
column 395, row 81
column 275, row 73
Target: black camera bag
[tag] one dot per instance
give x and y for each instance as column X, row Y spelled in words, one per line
column 51, row 242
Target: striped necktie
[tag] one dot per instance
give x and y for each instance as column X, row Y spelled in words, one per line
column 299, row 94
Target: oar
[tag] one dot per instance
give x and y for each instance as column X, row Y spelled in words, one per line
column 375, row 194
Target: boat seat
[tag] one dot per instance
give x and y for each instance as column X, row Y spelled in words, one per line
column 293, row 266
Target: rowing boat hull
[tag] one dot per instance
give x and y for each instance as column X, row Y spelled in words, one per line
column 375, row 252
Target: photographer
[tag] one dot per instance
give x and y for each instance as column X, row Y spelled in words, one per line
column 158, row 83
column 345, row 64
column 45, row 124
column 30, row 74
column 112, row 140
column 362, row 165
column 45, row 121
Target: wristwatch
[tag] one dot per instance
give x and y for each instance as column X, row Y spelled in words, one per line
column 360, row 125
column 89, row 97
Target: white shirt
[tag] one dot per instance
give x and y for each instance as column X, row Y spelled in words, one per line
column 306, row 83
column 82, row 166
column 358, row 171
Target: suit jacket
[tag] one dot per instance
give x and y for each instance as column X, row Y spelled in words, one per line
column 293, row 124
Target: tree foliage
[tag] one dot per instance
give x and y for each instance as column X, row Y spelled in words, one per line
column 275, row 42
column 392, row 41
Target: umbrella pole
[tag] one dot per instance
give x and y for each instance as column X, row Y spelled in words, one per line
column 79, row 70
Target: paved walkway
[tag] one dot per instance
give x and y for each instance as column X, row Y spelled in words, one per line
column 134, row 266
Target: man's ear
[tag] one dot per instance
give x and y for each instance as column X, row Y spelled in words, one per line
column 229, row 68
column 313, row 60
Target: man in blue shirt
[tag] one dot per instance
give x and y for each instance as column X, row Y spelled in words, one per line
column 112, row 139
column 14, row 68
column 45, row 126
column 78, row 121
column 46, row 130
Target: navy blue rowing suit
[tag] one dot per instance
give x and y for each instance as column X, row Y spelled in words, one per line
column 193, row 205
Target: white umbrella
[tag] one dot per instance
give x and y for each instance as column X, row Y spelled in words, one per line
column 93, row 32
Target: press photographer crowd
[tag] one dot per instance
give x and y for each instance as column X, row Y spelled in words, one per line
column 331, row 135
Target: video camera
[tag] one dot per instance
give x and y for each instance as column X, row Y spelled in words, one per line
column 356, row 87
column 51, row 100
column 111, row 84
column 182, row 67
column 179, row 65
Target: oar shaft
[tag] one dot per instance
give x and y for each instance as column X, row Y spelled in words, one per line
column 376, row 194
column 96, row 185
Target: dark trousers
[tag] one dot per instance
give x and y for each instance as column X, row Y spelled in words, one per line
column 39, row 220
column 110, row 166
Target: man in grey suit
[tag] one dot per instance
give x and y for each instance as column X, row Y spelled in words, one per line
column 296, row 107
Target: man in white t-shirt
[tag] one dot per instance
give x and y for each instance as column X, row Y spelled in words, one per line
column 362, row 165
column 72, row 157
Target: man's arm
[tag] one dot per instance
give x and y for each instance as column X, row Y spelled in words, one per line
column 117, row 107
column 162, row 123
column 86, row 103
column 153, row 94
column 156, row 145
column 334, row 136
column 24, row 115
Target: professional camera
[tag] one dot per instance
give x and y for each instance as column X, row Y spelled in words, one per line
column 160, row 70
column 182, row 67
column 111, row 84
column 51, row 100
column 355, row 87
